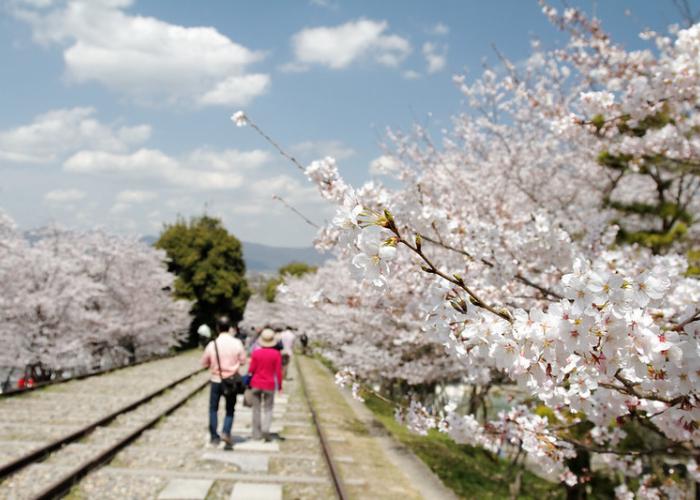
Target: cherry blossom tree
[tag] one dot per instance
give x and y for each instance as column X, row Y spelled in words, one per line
column 543, row 239
column 84, row 300
column 365, row 330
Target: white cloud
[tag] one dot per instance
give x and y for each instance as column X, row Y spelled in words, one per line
column 40, row 4
column 411, row 74
column 438, row 29
column 237, row 90
column 143, row 161
column 64, row 196
column 250, row 209
column 198, row 170
column 289, row 188
column 293, row 67
column 127, row 199
column 435, row 58
column 135, row 135
column 146, row 58
column 339, row 46
column 326, row 4
column 181, row 202
column 258, row 198
column 119, row 208
column 61, row 131
column 134, row 196
column 384, row 164
column 311, row 150
column 229, row 159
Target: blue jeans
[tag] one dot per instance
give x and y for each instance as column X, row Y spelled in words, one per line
column 214, row 396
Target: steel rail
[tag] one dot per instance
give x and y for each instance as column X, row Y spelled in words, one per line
column 39, row 453
column 327, row 454
column 63, row 484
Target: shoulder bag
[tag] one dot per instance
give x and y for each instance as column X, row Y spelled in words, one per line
column 232, row 385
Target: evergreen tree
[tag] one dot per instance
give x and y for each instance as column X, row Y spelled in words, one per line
column 295, row 269
column 662, row 219
column 210, row 269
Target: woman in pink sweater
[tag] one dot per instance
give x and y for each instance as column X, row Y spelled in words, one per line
column 266, row 377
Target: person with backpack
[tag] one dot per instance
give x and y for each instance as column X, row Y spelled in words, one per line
column 265, row 372
column 224, row 357
column 304, row 339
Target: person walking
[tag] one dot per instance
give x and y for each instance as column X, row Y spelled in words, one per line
column 287, row 337
column 265, row 372
column 224, row 357
column 304, row 339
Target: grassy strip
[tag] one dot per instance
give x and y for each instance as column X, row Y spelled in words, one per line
column 470, row 472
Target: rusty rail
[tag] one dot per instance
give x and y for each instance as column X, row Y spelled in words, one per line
column 39, row 453
column 327, row 453
column 63, row 484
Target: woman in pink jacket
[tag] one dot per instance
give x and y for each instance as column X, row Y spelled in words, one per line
column 266, row 377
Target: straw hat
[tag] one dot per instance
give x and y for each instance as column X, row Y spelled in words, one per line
column 267, row 338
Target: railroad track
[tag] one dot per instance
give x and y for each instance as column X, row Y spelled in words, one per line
column 80, row 376
column 19, row 478
column 176, row 454
column 168, row 444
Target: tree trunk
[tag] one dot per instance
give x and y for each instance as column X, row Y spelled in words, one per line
column 580, row 466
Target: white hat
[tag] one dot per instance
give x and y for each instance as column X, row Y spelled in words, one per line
column 267, row 338
column 204, row 331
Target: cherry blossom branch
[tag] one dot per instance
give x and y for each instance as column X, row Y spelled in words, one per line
column 519, row 277
column 692, row 319
column 629, row 388
column 243, row 119
column 676, row 448
column 432, row 269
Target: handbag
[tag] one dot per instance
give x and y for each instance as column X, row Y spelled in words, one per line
column 232, row 385
column 248, row 398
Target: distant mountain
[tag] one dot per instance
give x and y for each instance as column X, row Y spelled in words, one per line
column 149, row 240
column 264, row 258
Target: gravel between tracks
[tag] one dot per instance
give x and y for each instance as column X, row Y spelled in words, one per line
column 46, row 414
column 76, row 403
column 178, row 447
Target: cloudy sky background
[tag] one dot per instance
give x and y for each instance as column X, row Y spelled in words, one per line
column 116, row 113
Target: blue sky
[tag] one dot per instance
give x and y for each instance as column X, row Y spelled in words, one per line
column 115, row 113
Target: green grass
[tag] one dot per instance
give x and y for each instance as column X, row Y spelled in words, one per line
column 470, row 472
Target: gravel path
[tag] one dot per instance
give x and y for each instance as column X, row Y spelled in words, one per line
column 30, row 421
column 178, row 449
column 45, row 414
column 176, row 454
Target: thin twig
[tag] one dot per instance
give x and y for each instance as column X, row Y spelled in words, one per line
column 276, row 146
column 675, row 447
column 455, row 280
column 306, row 219
column 519, row 277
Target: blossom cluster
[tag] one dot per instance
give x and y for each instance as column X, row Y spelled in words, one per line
column 500, row 244
column 84, row 300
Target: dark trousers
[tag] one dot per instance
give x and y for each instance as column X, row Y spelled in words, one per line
column 214, row 396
